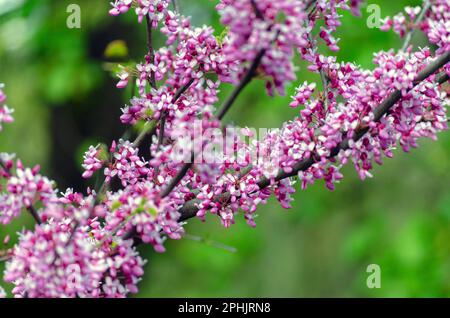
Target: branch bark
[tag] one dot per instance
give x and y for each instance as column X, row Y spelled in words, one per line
column 34, row 214
column 151, row 50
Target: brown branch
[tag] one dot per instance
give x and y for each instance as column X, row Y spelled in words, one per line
column 190, row 209
column 244, row 82
column 309, row 4
column 151, row 51
column 179, row 176
column 34, row 214
column 223, row 111
column 4, row 258
column 258, row 13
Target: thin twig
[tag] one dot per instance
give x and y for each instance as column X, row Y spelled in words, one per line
column 176, row 7
column 5, row 258
column 2, row 165
column 258, row 12
column 180, row 175
column 309, row 4
column 323, row 76
column 151, row 50
column 34, row 214
column 212, row 243
column 409, row 35
column 150, row 128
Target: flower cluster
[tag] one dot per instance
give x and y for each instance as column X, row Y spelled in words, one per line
column 254, row 26
column 5, row 112
column 51, row 261
column 303, row 94
column 437, row 27
column 138, row 207
column 154, row 9
column 126, row 165
column 400, row 23
column 23, row 189
column 435, row 23
column 196, row 54
column 279, row 28
column 92, row 162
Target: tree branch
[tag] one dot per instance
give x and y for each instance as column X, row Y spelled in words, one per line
column 190, row 209
column 34, row 214
column 151, row 50
column 223, row 111
column 244, row 82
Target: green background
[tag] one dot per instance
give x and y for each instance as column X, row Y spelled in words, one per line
column 65, row 100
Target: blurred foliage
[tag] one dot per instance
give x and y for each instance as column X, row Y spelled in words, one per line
column 400, row 219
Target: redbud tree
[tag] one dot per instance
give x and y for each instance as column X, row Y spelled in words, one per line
column 84, row 244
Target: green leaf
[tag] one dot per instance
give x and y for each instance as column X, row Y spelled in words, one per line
column 117, row 49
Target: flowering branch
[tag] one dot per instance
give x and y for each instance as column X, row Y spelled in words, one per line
column 151, row 51
column 394, row 98
column 224, row 109
column 190, row 209
column 91, row 238
column 34, row 214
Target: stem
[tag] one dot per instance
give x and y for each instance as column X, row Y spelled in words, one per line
column 151, row 130
column 34, row 214
column 151, row 51
column 323, row 76
column 409, row 35
column 4, row 259
column 161, row 130
column 244, row 82
column 309, row 4
column 180, row 175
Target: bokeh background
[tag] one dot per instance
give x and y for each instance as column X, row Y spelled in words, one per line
column 65, row 99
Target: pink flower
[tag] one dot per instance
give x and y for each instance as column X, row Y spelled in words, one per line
column 23, row 190
column 2, row 94
column 155, row 9
column 124, row 78
column 5, row 112
column 91, row 162
column 304, row 92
